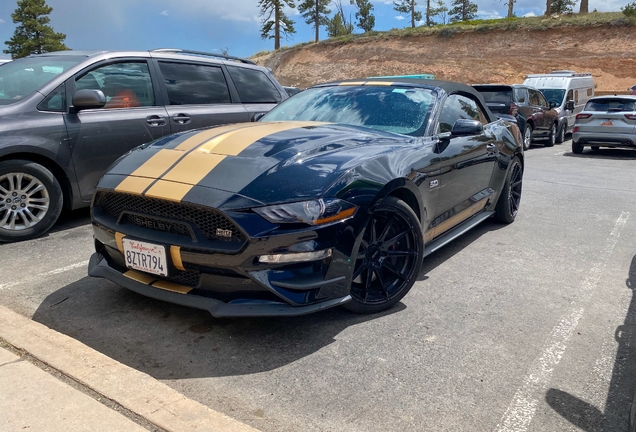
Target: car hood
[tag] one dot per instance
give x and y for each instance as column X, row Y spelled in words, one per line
column 256, row 163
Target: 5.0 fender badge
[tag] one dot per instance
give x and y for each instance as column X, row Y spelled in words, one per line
column 434, row 183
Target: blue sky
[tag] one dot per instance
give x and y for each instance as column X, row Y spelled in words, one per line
column 209, row 25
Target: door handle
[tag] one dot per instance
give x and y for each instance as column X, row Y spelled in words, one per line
column 181, row 119
column 155, row 120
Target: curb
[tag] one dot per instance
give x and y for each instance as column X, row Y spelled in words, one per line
column 136, row 391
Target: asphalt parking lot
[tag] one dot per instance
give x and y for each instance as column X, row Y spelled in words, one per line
column 526, row 327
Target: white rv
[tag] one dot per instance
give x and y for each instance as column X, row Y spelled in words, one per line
column 567, row 91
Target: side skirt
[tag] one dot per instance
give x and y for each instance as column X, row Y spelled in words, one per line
column 456, row 232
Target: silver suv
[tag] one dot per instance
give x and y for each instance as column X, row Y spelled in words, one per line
column 66, row 116
column 606, row 121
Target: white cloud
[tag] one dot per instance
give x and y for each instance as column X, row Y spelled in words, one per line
column 530, row 14
column 164, row 13
column 399, row 18
column 1, row 21
column 488, row 14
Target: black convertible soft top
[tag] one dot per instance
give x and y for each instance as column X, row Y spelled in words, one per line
column 449, row 87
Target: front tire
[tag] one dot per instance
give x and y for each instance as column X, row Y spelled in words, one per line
column 577, row 148
column 30, row 200
column 389, row 258
column 527, row 137
column 552, row 137
column 510, row 198
column 562, row 132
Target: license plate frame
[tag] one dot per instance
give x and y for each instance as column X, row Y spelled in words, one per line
column 145, row 256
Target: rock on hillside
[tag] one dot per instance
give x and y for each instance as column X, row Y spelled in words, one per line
column 494, row 56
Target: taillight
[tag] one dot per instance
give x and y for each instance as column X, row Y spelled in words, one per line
column 513, row 109
column 576, row 129
column 630, row 116
column 583, row 116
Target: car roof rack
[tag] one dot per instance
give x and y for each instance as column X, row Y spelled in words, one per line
column 202, row 53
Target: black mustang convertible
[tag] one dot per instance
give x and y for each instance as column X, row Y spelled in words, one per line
column 332, row 198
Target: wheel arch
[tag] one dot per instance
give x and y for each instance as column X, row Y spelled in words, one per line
column 406, row 191
column 57, row 171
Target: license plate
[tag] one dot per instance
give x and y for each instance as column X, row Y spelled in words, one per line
column 607, row 123
column 144, row 256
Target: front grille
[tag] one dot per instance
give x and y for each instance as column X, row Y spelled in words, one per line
column 187, row 278
column 206, row 220
column 156, row 224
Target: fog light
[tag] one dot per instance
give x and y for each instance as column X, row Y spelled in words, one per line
column 295, row 257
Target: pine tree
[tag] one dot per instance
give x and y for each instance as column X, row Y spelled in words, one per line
column 431, row 11
column 315, row 13
column 511, row 5
column 561, row 6
column 464, row 10
column 338, row 25
column 547, row 7
column 584, row 8
column 408, row 7
column 366, row 20
column 275, row 22
column 442, row 10
column 33, row 35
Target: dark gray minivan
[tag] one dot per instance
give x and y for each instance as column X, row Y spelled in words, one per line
column 66, row 116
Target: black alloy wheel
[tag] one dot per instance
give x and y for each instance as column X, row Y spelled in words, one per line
column 552, row 137
column 561, row 136
column 510, row 198
column 577, row 148
column 389, row 258
column 527, row 137
column 30, row 200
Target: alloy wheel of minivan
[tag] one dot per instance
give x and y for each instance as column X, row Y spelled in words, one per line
column 527, row 137
column 552, row 137
column 562, row 132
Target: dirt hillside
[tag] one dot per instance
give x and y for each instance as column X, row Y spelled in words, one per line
column 607, row 51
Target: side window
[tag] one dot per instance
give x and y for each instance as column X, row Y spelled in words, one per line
column 254, row 86
column 570, row 96
column 56, row 101
column 576, row 96
column 542, row 101
column 590, row 92
column 521, row 95
column 533, row 97
column 125, row 85
column 459, row 107
column 194, row 84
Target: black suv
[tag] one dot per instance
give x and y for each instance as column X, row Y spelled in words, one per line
column 66, row 116
column 535, row 117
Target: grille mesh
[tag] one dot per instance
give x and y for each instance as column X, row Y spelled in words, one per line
column 205, row 219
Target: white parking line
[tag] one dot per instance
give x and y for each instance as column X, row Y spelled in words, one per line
column 521, row 410
column 43, row 275
column 560, row 153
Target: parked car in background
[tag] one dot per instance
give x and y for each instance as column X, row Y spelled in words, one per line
column 66, row 116
column 606, row 121
column 568, row 90
column 632, row 90
column 536, row 119
column 332, row 199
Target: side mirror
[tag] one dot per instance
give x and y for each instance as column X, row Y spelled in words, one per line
column 552, row 104
column 569, row 105
column 258, row 116
column 465, row 127
column 87, row 98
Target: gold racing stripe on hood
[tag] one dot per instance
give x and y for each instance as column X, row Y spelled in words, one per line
column 203, row 137
column 194, row 167
column 134, row 185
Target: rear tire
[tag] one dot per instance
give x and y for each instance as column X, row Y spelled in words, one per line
column 389, row 258
column 527, row 137
column 510, row 198
column 577, row 148
column 30, row 200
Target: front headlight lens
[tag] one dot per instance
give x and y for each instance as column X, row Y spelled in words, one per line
column 314, row 212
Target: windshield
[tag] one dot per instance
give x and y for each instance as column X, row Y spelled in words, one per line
column 610, row 104
column 20, row 78
column 554, row 95
column 403, row 110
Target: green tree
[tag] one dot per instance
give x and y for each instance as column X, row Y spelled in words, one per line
column 432, row 9
column 33, row 35
column 442, row 10
column 561, row 6
column 366, row 20
column 408, row 7
column 464, row 10
column 315, row 12
column 275, row 22
column 338, row 25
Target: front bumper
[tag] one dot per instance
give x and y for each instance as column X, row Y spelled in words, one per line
column 226, row 277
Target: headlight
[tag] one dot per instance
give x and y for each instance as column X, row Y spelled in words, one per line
column 315, row 212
